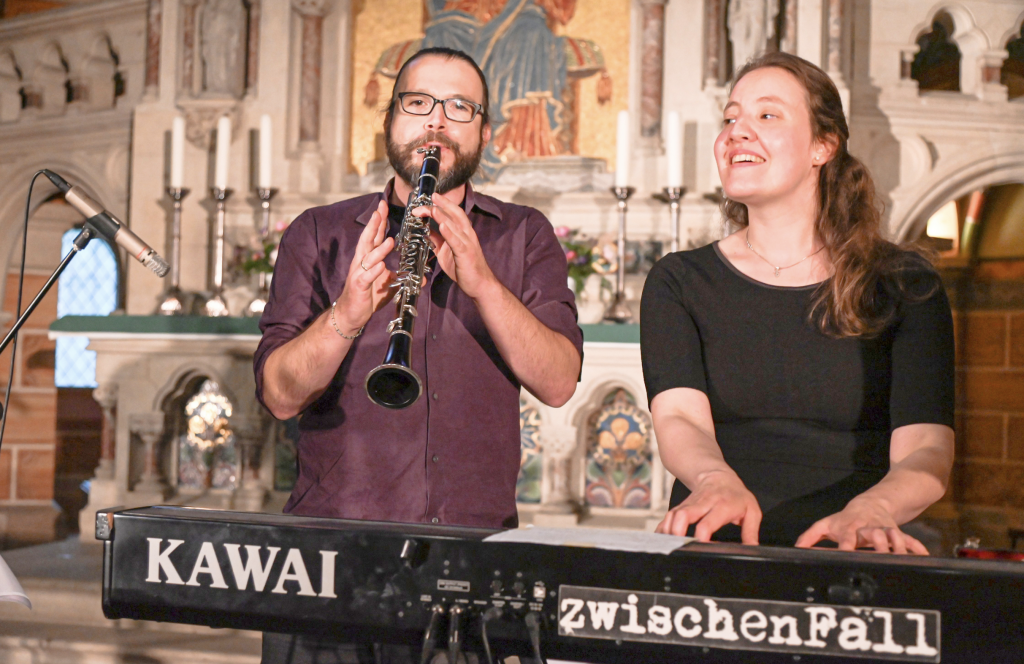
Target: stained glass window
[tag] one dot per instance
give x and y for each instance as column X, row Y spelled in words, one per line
column 88, row 287
column 531, row 461
column 619, row 454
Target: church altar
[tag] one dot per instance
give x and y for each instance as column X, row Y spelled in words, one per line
column 182, row 426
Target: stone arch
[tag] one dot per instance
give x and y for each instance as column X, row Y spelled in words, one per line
column 593, row 395
column 970, row 39
column 49, row 77
column 171, row 398
column 10, row 87
column 177, row 383
column 950, row 184
column 1013, row 32
column 98, row 73
column 14, row 190
column 963, row 22
column 9, row 64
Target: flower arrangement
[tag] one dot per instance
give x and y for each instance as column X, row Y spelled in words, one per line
column 256, row 260
column 261, row 254
column 579, row 256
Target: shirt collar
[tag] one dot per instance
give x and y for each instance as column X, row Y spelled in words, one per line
column 473, row 201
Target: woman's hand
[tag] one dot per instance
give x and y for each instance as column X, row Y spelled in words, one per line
column 864, row 523
column 718, row 498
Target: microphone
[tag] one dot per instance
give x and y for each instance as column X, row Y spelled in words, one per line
column 108, row 225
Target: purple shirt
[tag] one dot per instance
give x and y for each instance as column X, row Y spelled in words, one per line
column 453, row 456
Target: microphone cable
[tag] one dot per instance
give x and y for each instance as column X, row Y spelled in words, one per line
column 430, row 635
column 21, row 284
column 532, row 621
column 490, row 614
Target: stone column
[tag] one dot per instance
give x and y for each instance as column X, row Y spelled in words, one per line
column 252, row 67
column 312, row 13
column 652, row 39
column 835, row 38
column 154, row 20
column 810, row 33
column 789, row 26
column 834, row 58
column 557, row 508
column 311, row 164
column 103, row 491
column 151, row 487
column 106, row 396
column 188, row 47
column 714, row 42
column 907, row 83
column 991, row 63
column 250, row 434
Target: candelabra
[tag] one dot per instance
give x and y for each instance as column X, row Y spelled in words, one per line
column 672, row 196
column 716, row 196
column 172, row 304
column 216, row 305
column 255, row 308
column 617, row 310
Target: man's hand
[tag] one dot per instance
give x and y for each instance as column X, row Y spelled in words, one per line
column 719, row 498
column 368, row 285
column 863, row 523
column 458, row 248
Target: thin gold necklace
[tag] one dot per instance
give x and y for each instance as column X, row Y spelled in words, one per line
column 746, row 238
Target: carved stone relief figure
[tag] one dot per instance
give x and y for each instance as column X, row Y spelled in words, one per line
column 223, row 45
column 751, row 26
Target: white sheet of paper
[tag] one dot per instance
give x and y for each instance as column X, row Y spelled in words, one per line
column 10, row 589
column 595, row 538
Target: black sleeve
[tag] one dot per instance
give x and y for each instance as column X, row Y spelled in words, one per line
column 670, row 347
column 922, row 356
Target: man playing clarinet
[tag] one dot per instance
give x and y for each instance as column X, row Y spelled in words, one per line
column 495, row 314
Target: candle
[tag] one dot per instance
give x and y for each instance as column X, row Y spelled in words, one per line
column 674, row 148
column 177, row 152
column 220, row 173
column 264, row 177
column 622, row 150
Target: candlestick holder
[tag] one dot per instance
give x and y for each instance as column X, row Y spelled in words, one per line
column 617, row 310
column 171, row 304
column 672, row 196
column 716, row 196
column 216, row 305
column 259, row 303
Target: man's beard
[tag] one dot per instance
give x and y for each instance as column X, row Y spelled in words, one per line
column 407, row 166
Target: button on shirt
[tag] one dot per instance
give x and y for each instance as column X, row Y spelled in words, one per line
column 453, row 456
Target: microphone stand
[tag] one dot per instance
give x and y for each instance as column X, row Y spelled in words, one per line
column 88, row 233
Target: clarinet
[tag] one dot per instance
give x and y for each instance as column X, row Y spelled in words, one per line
column 394, row 384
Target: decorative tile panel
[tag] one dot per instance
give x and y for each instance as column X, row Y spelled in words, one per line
column 619, row 454
column 286, row 467
column 531, row 462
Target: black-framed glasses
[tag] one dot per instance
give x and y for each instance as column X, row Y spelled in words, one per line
column 456, row 110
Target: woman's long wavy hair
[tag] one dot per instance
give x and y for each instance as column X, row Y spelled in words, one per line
column 860, row 298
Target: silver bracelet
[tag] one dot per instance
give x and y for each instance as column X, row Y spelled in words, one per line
column 334, row 324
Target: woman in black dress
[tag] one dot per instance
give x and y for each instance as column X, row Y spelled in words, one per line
column 800, row 371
